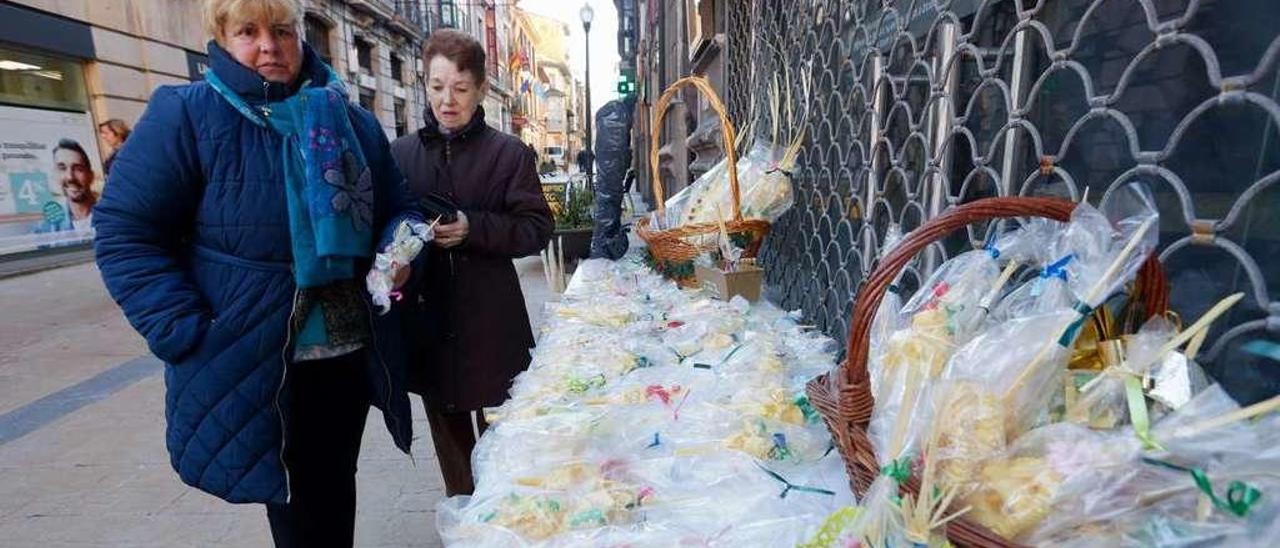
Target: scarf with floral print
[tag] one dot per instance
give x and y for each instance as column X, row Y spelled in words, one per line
column 327, row 181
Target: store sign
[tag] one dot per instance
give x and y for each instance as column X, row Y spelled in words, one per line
column 197, row 65
column 50, row 178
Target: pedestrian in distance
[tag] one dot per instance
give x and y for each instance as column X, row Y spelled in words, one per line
column 235, row 232
column 114, row 133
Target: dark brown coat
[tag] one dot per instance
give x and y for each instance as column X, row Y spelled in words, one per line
column 470, row 335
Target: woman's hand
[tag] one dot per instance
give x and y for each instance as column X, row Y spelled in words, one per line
column 453, row 234
column 400, row 277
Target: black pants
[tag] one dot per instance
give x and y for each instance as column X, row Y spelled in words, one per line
column 454, row 439
column 326, row 406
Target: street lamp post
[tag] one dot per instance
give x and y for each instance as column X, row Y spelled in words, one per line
column 587, row 14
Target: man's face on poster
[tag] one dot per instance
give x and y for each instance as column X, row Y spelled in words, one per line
column 73, row 171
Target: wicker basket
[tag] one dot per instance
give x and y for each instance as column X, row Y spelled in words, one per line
column 844, row 399
column 673, row 246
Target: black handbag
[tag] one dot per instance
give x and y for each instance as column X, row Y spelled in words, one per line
column 439, row 206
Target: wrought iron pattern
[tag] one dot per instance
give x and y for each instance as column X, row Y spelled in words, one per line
column 921, row 104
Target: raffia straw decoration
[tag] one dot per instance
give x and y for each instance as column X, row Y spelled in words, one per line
column 926, row 513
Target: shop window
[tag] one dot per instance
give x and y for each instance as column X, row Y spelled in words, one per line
column 41, row 81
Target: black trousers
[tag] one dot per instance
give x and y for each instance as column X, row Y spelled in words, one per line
column 325, row 410
column 454, row 439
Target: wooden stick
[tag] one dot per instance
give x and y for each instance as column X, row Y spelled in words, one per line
column 1201, row 324
column 560, row 263
column 1091, row 297
column 1005, row 275
column 911, row 391
column 1197, row 341
column 1196, row 332
column 1260, row 408
column 546, row 268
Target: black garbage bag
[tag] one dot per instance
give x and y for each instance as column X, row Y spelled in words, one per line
column 613, row 159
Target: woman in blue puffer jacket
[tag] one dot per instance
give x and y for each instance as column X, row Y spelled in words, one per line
column 235, row 233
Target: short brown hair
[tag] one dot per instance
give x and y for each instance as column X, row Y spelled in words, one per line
column 458, row 47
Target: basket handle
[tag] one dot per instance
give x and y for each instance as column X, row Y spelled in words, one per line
column 726, row 129
column 872, row 291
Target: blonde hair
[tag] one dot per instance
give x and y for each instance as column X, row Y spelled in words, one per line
column 220, row 13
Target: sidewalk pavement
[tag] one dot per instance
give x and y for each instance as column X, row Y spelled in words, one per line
column 82, row 457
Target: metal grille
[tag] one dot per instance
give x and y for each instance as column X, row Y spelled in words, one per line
column 918, row 105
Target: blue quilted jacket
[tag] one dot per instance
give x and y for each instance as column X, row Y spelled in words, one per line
column 193, row 243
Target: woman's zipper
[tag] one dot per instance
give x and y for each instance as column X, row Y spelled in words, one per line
column 453, row 277
column 266, row 98
column 284, row 371
column 284, row 375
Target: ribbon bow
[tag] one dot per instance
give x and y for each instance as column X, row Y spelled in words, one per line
column 791, row 486
column 899, row 470
column 1058, row 269
column 990, row 246
column 1240, row 495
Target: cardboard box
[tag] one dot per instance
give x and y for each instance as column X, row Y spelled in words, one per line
column 745, row 281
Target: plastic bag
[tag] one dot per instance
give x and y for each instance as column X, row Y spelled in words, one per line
column 653, row 416
column 947, row 311
column 711, row 191
column 1208, row 486
column 1020, row 488
column 408, row 241
column 1103, row 401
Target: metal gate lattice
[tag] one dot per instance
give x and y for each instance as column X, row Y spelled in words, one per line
column 921, row 104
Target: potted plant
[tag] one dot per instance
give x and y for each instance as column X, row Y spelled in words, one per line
column 574, row 222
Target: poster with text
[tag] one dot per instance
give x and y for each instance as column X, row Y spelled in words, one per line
column 50, row 178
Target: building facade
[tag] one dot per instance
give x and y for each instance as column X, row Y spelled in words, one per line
column 67, row 65
column 549, row 90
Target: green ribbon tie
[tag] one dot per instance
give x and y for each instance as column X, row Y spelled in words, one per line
column 1138, row 412
column 899, row 470
column 791, row 486
column 811, row 415
column 1240, row 495
column 1069, row 336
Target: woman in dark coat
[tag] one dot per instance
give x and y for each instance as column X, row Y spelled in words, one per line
column 235, row 232
column 471, row 325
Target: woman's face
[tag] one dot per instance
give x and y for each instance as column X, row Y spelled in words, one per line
column 273, row 50
column 109, row 136
column 454, row 95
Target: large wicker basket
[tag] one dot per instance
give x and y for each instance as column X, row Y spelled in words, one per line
column 675, row 245
column 844, row 397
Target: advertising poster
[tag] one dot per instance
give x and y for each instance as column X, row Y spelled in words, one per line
column 50, row 178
